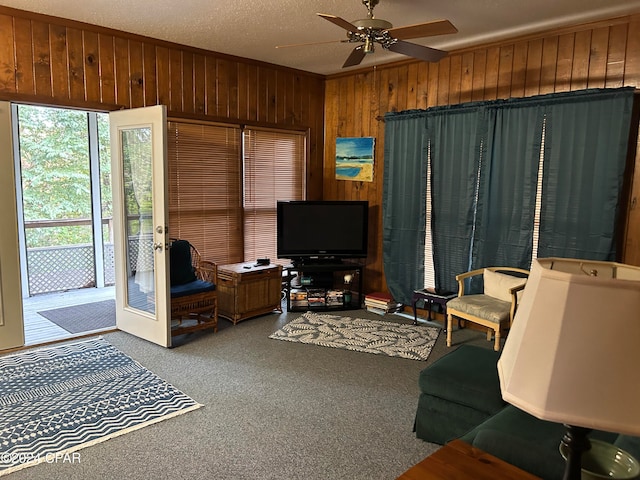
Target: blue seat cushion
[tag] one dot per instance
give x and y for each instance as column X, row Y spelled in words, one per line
column 197, row 286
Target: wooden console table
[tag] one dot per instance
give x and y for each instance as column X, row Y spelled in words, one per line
column 247, row 290
column 458, row 460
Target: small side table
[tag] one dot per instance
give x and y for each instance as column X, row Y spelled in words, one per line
column 247, row 290
column 459, row 460
column 429, row 299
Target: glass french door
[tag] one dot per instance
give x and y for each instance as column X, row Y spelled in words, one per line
column 139, row 172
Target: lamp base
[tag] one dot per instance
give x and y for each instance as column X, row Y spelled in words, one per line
column 576, row 441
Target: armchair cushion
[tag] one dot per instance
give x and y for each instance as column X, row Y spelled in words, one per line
column 522, row 440
column 468, row 377
column 482, row 306
column 191, row 288
column 498, row 285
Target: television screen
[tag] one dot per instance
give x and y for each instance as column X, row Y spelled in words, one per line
column 322, row 229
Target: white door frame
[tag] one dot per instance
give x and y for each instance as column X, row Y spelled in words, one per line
column 152, row 322
column 11, row 319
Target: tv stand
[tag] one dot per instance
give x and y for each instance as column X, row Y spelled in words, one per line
column 322, row 286
column 302, row 263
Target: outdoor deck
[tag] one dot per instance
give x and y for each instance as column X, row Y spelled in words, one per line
column 38, row 329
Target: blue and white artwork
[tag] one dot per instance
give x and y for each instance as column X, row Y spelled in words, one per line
column 354, row 158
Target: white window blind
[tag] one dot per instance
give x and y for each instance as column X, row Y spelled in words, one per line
column 536, row 216
column 429, row 269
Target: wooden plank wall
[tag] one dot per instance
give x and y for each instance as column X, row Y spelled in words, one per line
column 603, row 54
column 52, row 61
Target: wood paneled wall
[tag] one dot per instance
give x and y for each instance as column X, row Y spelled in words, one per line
column 53, row 61
column 603, row 54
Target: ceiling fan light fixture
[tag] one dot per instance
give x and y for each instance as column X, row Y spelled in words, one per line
column 369, row 46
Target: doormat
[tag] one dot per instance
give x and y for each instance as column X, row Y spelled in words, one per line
column 84, row 318
column 58, row 400
column 362, row 335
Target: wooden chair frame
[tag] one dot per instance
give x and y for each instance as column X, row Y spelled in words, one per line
column 491, row 326
column 197, row 305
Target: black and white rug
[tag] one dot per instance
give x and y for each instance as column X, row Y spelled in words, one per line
column 362, row 335
column 58, row 400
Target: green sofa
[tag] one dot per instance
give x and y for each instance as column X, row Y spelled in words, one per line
column 460, row 398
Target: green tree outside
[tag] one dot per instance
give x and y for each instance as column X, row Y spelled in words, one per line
column 54, row 154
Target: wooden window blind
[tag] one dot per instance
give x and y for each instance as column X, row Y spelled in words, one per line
column 274, row 169
column 205, row 196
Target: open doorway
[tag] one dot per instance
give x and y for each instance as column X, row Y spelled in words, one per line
column 64, row 200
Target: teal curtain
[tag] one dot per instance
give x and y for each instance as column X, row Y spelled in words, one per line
column 507, row 186
column 403, row 203
column 485, row 162
column 587, row 135
column 456, row 138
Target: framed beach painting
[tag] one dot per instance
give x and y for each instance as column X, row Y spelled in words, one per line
column 354, row 158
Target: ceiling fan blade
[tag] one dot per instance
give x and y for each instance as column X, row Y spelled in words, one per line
column 356, row 56
column 341, row 22
column 417, row 51
column 308, row 44
column 429, row 29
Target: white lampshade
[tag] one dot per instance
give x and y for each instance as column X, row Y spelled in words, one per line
column 573, row 353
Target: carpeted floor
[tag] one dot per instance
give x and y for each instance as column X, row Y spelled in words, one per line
column 272, row 410
column 87, row 317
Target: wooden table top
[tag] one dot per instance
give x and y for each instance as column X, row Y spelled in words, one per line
column 458, row 460
column 245, row 267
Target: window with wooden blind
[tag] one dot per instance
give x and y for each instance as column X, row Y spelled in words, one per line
column 274, row 169
column 223, row 189
column 205, row 188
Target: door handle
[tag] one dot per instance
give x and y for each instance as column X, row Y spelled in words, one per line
column 160, row 246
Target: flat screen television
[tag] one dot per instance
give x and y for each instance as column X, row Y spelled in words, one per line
column 324, row 230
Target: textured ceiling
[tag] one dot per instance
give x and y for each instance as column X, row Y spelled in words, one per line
column 252, row 29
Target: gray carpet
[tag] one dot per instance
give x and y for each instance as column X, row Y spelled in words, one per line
column 272, row 410
column 84, row 318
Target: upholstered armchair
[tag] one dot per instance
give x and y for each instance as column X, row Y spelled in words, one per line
column 495, row 307
column 194, row 299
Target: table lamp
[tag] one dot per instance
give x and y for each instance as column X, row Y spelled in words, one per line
column 573, row 353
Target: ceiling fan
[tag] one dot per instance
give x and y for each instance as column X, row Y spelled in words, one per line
column 371, row 30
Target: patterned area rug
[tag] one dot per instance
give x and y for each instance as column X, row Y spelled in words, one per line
column 362, row 335
column 58, row 400
column 84, row 318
